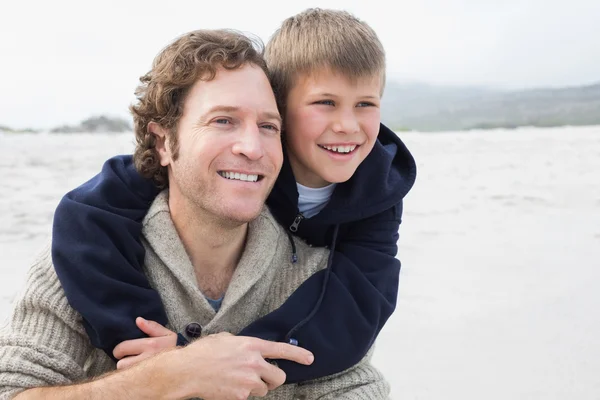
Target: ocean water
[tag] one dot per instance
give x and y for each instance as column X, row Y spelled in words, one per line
column 500, row 247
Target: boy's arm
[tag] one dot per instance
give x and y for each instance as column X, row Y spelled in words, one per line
column 362, row 381
column 360, row 296
column 98, row 255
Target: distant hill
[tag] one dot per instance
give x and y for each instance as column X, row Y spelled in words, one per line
column 101, row 124
column 8, row 129
column 426, row 107
column 433, row 108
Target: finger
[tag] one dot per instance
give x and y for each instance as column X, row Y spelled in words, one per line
column 152, row 328
column 134, row 347
column 273, row 376
column 221, row 334
column 130, row 361
column 259, row 389
column 284, row 351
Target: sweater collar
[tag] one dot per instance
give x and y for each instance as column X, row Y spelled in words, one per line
column 160, row 233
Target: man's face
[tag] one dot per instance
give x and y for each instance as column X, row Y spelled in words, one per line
column 229, row 147
column 331, row 125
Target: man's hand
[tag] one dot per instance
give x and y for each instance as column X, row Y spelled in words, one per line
column 217, row 367
column 224, row 366
column 131, row 352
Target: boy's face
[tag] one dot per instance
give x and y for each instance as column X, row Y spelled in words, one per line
column 331, row 125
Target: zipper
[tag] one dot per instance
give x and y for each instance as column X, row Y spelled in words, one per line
column 297, row 220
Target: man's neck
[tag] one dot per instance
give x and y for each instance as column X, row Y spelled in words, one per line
column 214, row 247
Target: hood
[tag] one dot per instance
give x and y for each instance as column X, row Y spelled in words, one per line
column 381, row 181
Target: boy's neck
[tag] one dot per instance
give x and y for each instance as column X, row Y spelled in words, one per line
column 312, row 181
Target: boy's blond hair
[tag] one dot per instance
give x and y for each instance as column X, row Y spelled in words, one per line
column 317, row 39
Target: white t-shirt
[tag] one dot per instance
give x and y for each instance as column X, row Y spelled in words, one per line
column 311, row 200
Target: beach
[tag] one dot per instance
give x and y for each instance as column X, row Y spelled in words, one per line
column 499, row 244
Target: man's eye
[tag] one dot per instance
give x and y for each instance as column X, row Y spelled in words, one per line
column 223, row 121
column 271, row 127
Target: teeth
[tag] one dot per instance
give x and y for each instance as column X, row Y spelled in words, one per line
column 340, row 149
column 238, row 176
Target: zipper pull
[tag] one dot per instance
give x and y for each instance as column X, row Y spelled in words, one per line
column 297, row 220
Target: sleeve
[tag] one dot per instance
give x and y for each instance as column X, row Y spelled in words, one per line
column 98, row 254
column 359, row 296
column 360, row 382
column 44, row 342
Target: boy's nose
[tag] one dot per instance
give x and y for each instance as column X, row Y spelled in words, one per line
column 346, row 123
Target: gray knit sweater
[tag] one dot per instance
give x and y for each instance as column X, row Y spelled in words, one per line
column 44, row 343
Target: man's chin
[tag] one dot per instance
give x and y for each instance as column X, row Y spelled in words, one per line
column 242, row 213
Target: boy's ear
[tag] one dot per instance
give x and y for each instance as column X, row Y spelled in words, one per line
column 162, row 147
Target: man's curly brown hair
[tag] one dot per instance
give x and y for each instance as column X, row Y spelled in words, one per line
column 163, row 90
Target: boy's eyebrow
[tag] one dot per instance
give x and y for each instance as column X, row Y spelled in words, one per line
column 335, row 95
column 326, row 94
column 231, row 109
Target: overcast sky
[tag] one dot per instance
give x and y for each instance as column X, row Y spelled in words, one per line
column 62, row 61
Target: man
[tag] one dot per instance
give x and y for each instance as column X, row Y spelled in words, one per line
column 218, row 151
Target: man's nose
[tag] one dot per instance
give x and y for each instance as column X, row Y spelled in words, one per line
column 249, row 143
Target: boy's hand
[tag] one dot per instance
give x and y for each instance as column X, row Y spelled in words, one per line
column 131, row 352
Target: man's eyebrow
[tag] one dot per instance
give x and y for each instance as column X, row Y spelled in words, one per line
column 223, row 109
column 266, row 114
column 272, row 115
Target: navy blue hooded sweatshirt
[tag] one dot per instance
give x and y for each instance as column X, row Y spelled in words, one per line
column 336, row 314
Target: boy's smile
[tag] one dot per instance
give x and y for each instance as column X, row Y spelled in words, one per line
column 340, row 148
column 331, row 125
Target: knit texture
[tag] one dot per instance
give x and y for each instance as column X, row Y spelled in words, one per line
column 45, row 344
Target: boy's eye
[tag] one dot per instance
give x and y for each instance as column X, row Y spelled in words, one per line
column 325, row 102
column 365, row 104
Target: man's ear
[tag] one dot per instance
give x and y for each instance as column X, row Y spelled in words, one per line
column 162, row 147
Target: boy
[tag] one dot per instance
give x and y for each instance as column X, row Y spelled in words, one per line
column 341, row 185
